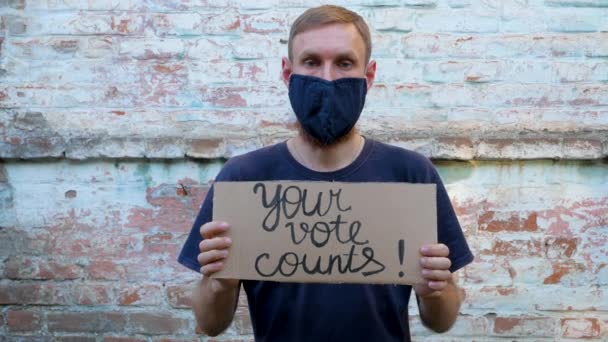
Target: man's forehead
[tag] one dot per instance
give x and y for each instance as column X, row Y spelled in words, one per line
column 336, row 38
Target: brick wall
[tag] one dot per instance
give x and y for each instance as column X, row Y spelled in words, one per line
column 116, row 115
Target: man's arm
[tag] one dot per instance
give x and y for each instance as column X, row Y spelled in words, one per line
column 439, row 310
column 214, row 304
column 438, row 296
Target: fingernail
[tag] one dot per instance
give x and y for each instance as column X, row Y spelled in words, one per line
column 228, row 240
column 424, row 249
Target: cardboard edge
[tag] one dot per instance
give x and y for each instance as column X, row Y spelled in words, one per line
column 235, row 243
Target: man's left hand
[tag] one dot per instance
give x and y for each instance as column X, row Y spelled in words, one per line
column 435, row 270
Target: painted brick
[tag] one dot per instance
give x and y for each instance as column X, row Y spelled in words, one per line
column 580, row 327
column 489, row 272
column 529, row 326
column 256, row 46
column 457, row 22
column 580, row 298
column 578, row 3
column 84, row 23
column 195, row 24
column 269, row 22
column 151, row 49
column 148, row 97
column 100, row 5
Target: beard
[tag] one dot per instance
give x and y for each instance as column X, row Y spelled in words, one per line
column 318, row 143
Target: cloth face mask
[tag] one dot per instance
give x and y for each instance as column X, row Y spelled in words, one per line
column 327, row 110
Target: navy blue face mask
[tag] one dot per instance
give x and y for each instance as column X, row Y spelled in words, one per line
column 327, row 110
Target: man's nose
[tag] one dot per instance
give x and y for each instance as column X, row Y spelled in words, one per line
column 328, row 72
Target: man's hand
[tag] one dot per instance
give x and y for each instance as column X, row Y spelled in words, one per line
column 213, row 253
column 439, row 299
column 435, row 270
column 214, row 300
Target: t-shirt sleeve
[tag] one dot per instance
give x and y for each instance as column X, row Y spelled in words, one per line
column 190, row 251
column 449, row 231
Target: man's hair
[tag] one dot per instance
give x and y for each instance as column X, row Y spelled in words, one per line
column 330, row 14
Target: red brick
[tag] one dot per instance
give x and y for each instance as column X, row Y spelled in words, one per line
column 528, row 326
column 170, row 249
column 529, row 247
column 148, row 323
column 161, row 269
column 170, row 212
column 93, row 294
column 493, row 221
column 560, row 247
column 75, row 338
column 160, row 237
column 35, row 268
column 23, row 320
column 37, row 293
column 86, row 321
column 140, row 294
column 562, row 269
column 178, row 296
column 580, row 327
column 106, row 270
column 124, row 339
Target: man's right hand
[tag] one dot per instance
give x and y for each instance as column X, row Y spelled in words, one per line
column 213, row 253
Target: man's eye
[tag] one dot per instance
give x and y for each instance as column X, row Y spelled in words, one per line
column 310, row 62
column 345, row 64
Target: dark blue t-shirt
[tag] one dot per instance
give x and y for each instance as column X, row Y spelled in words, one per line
column 333, row 312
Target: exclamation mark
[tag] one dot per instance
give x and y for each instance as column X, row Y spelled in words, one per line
column 401, row 254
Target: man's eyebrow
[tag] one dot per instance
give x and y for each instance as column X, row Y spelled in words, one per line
column 343, row 55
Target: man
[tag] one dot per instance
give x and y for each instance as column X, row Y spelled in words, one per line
column 328, row 73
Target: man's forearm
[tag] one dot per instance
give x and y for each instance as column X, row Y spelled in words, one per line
column 439, row 313
column 213, row 307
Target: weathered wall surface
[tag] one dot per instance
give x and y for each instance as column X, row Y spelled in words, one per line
column 116, row 115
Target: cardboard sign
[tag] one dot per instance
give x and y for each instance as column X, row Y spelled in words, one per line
column 326, row 232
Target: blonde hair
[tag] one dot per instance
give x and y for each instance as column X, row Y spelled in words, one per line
column 330, row 14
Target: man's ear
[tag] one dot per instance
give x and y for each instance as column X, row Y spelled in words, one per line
column 370, row 73
column 285, row 70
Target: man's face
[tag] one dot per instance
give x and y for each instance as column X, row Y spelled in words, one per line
column 330, row 52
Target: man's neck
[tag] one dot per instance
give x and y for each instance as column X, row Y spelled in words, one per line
column 327, row 158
